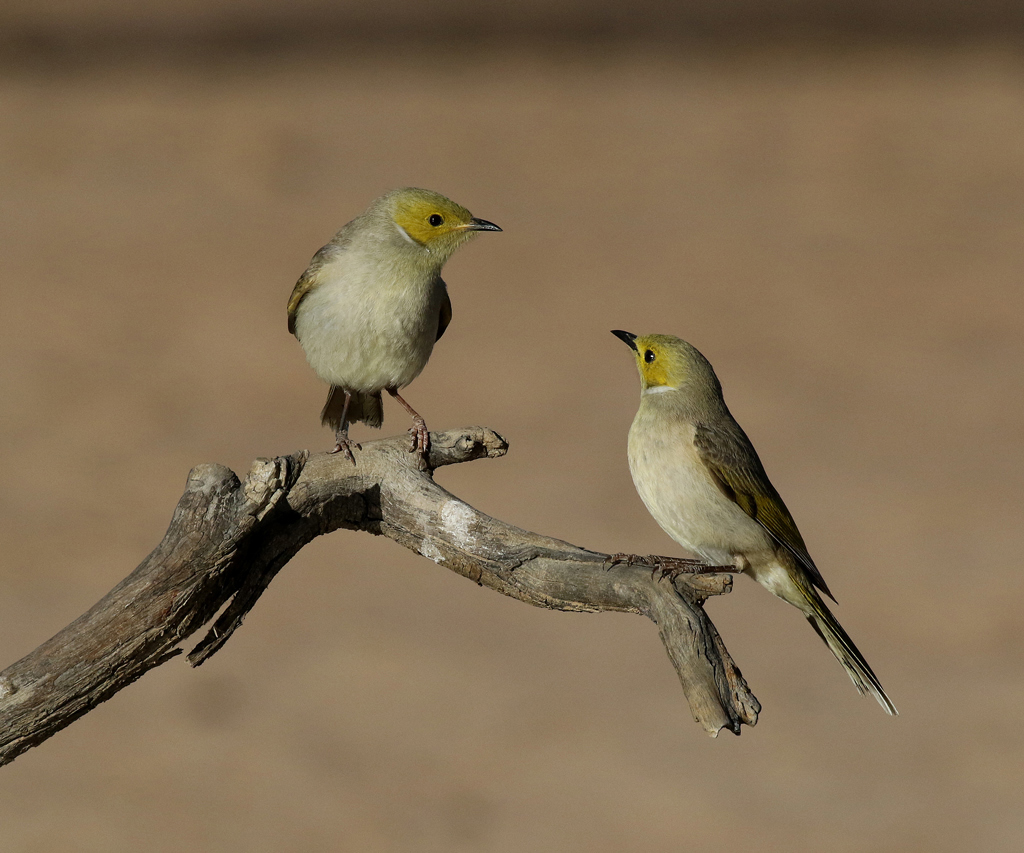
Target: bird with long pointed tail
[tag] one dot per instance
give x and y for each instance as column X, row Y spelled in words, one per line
column 701, row 479
column 372, row 303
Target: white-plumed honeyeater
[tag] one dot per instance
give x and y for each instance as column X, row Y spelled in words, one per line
column 372, row 302
column 701, row 479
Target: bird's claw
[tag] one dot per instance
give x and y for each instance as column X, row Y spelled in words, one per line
column 667, row 567
column 673, row 567
column 420, row 437
column 344, row 446
column 627, row 559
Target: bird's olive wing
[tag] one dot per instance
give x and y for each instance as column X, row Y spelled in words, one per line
column 311, row 277
column 446, row 312
column 736, row 468
column 307, row 281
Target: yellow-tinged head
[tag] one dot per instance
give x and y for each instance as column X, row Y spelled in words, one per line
column 668, row 363
column 429, row 219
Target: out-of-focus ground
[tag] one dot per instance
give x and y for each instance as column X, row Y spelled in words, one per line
column 839, row 228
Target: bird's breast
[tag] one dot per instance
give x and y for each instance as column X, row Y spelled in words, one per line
column 680, row 494
column 370, row 325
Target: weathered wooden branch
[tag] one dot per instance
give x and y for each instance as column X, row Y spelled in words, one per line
column 228, row 539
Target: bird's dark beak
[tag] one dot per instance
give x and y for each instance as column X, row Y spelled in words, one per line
column 481, row 225
column 628, row 338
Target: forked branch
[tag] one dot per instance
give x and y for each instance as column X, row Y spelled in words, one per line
column 228, row 539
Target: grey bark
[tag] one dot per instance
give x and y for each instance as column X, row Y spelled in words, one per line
column 228, row 539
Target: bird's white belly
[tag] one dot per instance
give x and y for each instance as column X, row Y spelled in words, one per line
column 681, row 496
column 362, row 339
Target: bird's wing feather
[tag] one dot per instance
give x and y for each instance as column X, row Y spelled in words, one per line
column 736, row 469
column 446, row 311
column 311, row 277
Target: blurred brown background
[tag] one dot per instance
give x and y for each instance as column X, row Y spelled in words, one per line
column 826, row 198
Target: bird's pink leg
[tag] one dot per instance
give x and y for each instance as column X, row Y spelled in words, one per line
column 344, row 445
column 669, row 567
column 420, row 436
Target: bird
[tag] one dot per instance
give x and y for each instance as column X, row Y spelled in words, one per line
column 702, row 481
column 371, row 305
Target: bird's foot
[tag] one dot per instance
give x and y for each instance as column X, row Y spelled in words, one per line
column 420, row 437
column 670, row 567
column 626, row 559
column 418, row 430
column 344, row 446
column 673, row 567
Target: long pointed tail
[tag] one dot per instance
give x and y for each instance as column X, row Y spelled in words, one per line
column 840, row 644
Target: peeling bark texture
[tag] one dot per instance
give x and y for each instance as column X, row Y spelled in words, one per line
column 228, row 539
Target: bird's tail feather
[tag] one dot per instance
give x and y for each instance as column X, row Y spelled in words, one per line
column 367, row 408
column 840, row 644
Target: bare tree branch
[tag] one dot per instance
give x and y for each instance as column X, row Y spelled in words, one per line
column 228, row 539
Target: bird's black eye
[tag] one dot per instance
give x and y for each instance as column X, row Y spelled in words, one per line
column 436, row 219
column 649, row 356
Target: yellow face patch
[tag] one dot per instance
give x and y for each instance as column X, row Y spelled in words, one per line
column 659, row 362
column 428, row 216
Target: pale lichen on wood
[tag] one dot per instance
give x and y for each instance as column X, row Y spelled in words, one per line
column 228, row 539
